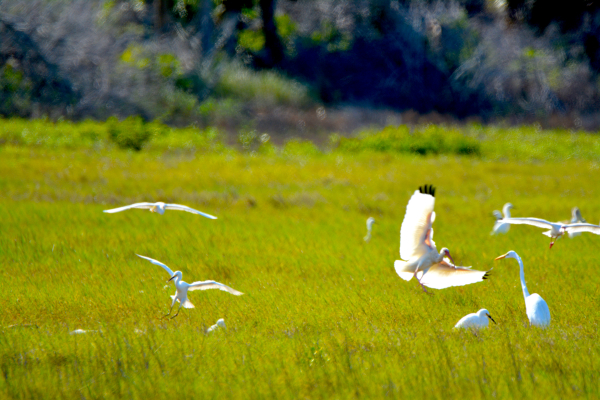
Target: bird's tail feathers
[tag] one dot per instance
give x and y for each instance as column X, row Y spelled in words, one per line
column 547, row 233
column 400, row 267
column 188, row 304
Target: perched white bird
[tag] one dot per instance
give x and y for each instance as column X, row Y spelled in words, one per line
column 575, row 219
column 160, row 208
column 499, row 227
column 536, row 308
column 370, row 222
column 475, row 320
column 418, row 248
column 556, row 229
column 183, row 287
column 220, row 323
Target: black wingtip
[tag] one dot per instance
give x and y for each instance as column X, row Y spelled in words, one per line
column 427, row 190
column 487, row 274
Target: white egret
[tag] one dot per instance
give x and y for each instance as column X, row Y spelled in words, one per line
column 183, row 287
column 555, row 229
column 536, row 308
column 370, row 222
column 480, row 319
column 220, row 324
column 418, row 248
column 499, row 227
column 575, row 219
column 160, row 208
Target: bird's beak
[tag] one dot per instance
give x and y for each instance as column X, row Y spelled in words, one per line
column 490, row 317
column 451, row 259
column 173, row 277
column 498, row 258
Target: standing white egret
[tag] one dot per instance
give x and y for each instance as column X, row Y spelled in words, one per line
column 576, row 218
column 536, row 308
column 556, row 229
column 418, row 248
column 370, row 222
column 183, row 287
column 220, row 324
column 160, row 208
column 480, row 319
column 499, row 227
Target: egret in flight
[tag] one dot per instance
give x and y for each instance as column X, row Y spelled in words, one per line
column 480, row 319
column 160, row 208
column 555, row 229
column 370, row 222
column 430, row 268
column 536, row 308
column 183, row 287
column 499, row 227
column 575, row 219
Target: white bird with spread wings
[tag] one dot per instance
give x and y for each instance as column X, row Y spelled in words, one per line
column 430, row 268
column 160, row 208
column 555, row 229
column 183, row 287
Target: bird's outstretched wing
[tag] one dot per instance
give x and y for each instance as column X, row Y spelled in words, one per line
column 415, row 234
column 443, row 275
column 572, row 228
column 135, row 205
column 155, row 262
column 205, row 285
column 179, row 207
column 540, row 223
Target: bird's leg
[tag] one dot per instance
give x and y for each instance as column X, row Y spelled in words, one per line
column 419, row 280
column 552, row 242
column 177, row 311
column 171, row 309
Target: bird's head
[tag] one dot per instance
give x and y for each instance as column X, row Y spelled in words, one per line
column 510, row 254
column 370, row 222
column 483, row 312
column 507, row 207
column 177, row 274
column 446, row 253
column 221, row 323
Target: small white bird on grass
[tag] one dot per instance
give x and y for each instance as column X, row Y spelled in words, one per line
column 555, row 229
column 499, row 227
column 183, row 287
column 480, row 319
column 576, row 218
column 370, row 222
column 536, row 308
column 160, row 208
column 418, row 248
column 220, row 324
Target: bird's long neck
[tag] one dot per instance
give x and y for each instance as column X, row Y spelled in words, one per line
column 507, row 212
column 523, row 284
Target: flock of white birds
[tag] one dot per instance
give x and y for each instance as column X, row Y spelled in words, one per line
column 419, row 256
column 421, row 260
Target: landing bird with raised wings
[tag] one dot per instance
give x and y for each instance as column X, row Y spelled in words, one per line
column 536, row 308
column 555, row 229
column 160, row 208
column 499, row 227
column 430, row 268
column 183, row 287
column 480, row 319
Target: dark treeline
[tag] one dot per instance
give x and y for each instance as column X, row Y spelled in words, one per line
column 201, row 61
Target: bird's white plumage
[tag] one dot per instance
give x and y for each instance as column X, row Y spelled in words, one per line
column 536, row 308
column 416, row 225
column 576, row 218
column 220, row 324
column 477, row 320
column 156, row 262
column 443, row 275
column 540, row 223
column 499, row 226
column 577, row 228
column 182, row 287
column 370, row 222
column 160, row 207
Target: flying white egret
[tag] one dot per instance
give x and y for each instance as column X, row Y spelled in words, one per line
column 160, row 208
column 499, row 227
column 575, row 219
column 220, row 324
column 475, row 320
column 536, row 308
column 183, row 287
column 370, row 222
column 556, row 229
column 418, row 248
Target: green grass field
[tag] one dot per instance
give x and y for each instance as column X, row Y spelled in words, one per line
column 324, row 314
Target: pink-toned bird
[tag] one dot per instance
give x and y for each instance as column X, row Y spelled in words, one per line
column 432, row 269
